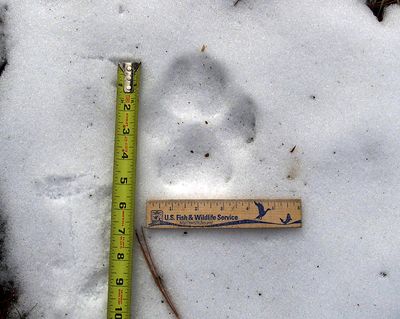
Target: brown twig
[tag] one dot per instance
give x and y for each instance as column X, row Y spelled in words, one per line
column 26, row 314
column 154, row 272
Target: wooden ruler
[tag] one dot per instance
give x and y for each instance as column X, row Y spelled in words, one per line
column 224, row 213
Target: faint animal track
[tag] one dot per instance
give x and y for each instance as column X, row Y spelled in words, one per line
column 95, row 283
column 205, row 112
column 294, row 169
column 121, row 9
column 241, row 120
column 363, row 153
column 58, row 186
column 195, row 153
column 102, row 191
column 197, row 84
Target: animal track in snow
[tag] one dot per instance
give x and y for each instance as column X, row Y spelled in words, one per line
column 241, row 119
column 206, row 115
column 194, row 153
column 58, row 186
column 95, row 282
column 195, row 86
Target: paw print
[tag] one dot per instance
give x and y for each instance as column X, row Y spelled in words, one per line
column 200, row 118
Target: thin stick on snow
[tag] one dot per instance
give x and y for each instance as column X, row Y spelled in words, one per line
column 153, row 270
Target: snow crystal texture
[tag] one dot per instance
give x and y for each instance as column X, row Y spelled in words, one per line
column 319, row 75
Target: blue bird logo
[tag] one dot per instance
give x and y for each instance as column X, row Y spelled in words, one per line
column 261, row 210
column 288, row 219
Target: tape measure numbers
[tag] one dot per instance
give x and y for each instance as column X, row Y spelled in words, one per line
column 123, row 192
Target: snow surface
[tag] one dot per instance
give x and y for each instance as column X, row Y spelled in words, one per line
column 321, row 75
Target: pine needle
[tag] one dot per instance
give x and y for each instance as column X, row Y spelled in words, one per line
column 153, row 270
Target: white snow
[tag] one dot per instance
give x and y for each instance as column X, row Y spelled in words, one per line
column 321, row 75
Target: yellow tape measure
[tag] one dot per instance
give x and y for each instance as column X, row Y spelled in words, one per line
column 123, row 192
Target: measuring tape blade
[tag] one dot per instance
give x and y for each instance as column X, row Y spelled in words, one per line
column 224, row 213
column 123, row 192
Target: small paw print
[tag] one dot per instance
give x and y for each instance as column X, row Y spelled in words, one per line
column 200, row 118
